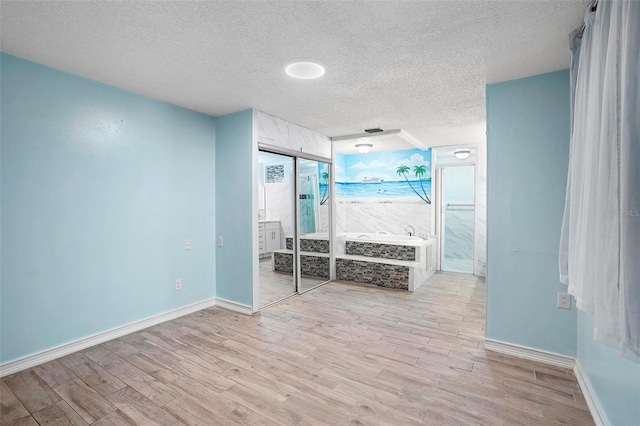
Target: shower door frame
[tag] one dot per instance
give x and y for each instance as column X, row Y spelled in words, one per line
column 439, row 210
column 297, row 156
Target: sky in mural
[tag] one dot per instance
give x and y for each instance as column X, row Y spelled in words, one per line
column 373, row 177
column 382, row 166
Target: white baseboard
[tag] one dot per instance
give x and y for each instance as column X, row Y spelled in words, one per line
column 234, row 306
column 78, row 345
column 589, row 396
column 529, row 353
column 558, row 361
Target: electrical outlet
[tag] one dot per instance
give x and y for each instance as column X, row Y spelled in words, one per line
column 220, row 241
column 187, row 245
column 564, row 300
column 178, row 284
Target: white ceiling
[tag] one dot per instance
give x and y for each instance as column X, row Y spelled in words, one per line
column 420, row 66
column 390, row 140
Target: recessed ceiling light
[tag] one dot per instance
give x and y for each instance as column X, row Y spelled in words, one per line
column 305, row 70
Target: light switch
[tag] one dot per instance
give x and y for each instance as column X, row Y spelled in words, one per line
column 220, row 241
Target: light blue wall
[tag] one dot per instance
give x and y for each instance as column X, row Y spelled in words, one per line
column 527, row 158
column 100, row 188
column 235, row 211
column 614, row 380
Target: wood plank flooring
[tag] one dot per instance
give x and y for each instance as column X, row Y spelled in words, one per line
column 275, row 286
column 340, row 354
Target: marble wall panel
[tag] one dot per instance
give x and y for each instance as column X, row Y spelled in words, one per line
column 272, row 130
column 322, row 145
column 388, row 217
column 275, row 131
column 324, row 218
column 279, row 205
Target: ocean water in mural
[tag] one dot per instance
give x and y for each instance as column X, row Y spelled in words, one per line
column 385, row 177
column 395, row 191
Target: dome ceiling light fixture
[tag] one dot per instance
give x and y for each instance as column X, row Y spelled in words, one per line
column 304, row 70
column 364, row 147
column 383, row 140
column 462, row 154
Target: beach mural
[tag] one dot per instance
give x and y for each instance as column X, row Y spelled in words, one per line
column 323, row 178
column 384, row 177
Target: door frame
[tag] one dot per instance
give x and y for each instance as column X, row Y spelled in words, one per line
column 439, row 210
column 296, row 156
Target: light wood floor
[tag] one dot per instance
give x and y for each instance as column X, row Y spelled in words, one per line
column 275, row 286
column 339, row 354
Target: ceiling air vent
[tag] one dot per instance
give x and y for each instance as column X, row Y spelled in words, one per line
column 376, row 130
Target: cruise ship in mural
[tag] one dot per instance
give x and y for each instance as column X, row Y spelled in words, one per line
column 372, row 180
column 402, row 176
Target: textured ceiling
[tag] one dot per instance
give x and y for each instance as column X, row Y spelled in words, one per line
column 419, row 66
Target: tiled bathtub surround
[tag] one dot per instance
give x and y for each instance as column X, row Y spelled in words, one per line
column 384, row 251
column 283, row 262
column 380, row 274
column 311, row 266
column 391, row 261
column 364, row 256
column 315, row 266
column 310, row 245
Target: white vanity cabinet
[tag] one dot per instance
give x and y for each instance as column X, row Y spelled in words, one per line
column 268, row 237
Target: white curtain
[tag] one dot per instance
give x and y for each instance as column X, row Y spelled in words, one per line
column 600, row 241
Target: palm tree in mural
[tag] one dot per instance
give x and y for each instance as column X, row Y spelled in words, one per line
column 420, row 171
column 402, row 170
column 325, row 195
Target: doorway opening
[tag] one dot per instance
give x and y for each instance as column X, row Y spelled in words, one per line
column 455, row 212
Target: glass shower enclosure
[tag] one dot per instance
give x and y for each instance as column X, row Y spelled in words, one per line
column 457, row 211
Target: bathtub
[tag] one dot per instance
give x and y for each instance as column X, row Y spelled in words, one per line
column 386, row 260
column 369, row 237
column 382, row 238
column 379, row 236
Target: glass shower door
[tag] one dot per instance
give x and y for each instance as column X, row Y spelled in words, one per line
column 458, row 219
column 313, row 219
